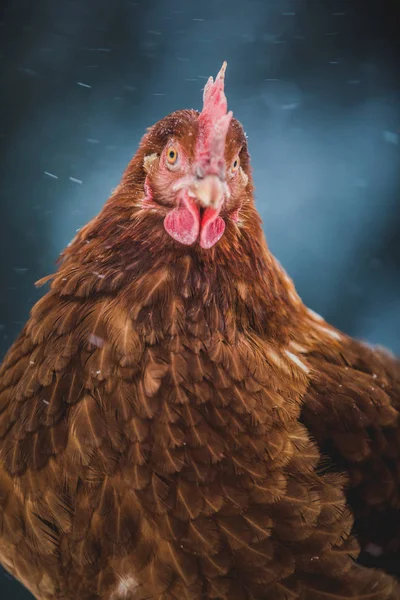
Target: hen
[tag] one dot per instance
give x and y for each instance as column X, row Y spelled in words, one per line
column 156, row 409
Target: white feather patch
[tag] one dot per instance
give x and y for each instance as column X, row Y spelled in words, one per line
column 298, row 348
column 297, row 361
column 315, row 315
column 148, row 161
column 126, row 585
column 331, row 332
column 276, row 359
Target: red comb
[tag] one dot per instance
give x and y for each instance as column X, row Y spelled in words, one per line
column 214, row 123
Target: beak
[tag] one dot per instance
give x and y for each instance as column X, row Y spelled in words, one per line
column 209, row 191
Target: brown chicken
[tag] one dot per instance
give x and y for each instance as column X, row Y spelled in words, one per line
column 156, row 409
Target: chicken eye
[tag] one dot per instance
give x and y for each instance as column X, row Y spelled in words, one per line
column 172, row 155
column 235, row 165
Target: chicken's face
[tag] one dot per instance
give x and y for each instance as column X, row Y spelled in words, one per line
column 194, row 175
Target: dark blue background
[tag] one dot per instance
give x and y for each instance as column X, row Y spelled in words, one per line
column 315, row 84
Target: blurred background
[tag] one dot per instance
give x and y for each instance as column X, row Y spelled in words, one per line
column 316, row 84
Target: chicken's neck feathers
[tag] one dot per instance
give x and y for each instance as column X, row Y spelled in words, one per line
column 238, row 281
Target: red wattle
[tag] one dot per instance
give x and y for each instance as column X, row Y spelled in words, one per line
column 212, row 228
column 183, row 223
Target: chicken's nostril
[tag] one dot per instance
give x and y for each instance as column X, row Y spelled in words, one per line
column 209, row 191
column 199, row 172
